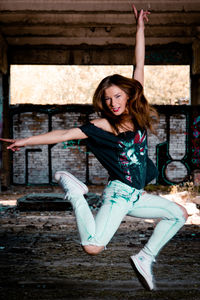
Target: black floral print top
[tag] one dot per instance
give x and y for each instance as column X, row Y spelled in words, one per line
column 124, row 155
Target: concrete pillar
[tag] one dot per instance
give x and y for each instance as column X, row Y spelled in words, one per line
column 3, row 56
column 6, row 155
column 195, row 74
column 1, row 121
column 4, row 115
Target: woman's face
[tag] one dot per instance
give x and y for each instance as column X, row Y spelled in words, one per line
column 116, row 100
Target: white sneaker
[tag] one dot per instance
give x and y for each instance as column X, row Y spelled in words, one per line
column 70, row 183
column 143, row 270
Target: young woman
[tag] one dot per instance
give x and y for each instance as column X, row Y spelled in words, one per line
column 118, row 138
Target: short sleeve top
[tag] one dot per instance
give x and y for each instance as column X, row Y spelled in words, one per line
column 124, row 155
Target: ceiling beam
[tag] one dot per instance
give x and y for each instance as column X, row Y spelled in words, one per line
column 99, row 19
column 90, row 31
column 93, row 41
column 98, row 5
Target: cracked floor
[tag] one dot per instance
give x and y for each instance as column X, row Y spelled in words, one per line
column 40, row 258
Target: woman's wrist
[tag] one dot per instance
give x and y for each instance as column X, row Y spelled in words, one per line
column 140, row 28
column 27, row 141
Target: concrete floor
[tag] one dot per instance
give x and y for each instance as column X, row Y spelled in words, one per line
column 40, row 258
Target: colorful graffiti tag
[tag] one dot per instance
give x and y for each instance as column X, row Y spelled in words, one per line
column 195, row 141
column 74, row 145
column 191, row 160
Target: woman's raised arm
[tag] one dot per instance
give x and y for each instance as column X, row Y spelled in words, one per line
column 140, row 44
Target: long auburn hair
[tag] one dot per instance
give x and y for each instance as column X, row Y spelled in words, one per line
column 142, row 115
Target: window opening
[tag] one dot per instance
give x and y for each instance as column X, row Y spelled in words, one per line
column 61, row 85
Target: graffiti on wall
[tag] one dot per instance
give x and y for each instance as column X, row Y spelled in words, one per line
column 75, row 145
column 190, row 160
column 183, row 135
column 195, row 141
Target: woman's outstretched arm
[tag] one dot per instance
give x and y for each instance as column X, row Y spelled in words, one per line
column 52, row 137
column 140, row 44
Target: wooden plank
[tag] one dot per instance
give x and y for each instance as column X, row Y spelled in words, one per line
column 93, row 41
column 28, row 19
column 98, row 5
column 109, row 31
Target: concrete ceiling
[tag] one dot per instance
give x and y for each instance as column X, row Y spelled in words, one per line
column 65, row 23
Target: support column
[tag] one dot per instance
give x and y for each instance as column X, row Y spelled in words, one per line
column 195, row 74
column 1, row 122
column 4, row 113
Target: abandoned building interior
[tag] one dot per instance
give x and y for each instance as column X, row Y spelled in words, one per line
column 82, row 33
column 97, row 33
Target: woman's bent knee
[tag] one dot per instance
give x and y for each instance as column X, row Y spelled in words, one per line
column 92, row 249
column 184, row 211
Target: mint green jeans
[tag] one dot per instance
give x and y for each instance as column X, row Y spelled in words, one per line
column 120, row 200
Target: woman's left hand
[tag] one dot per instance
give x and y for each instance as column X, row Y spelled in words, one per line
column 141, row 16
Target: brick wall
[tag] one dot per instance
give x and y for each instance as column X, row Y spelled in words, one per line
column 170, row 149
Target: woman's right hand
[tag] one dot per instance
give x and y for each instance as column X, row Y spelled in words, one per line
column 15, row 144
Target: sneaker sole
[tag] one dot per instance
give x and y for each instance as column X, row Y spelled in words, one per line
column 139, row 275
column 78, row 182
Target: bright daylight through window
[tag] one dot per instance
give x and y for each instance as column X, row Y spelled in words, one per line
column 75, row 84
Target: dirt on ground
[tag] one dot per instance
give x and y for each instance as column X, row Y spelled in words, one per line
column 41, row 258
